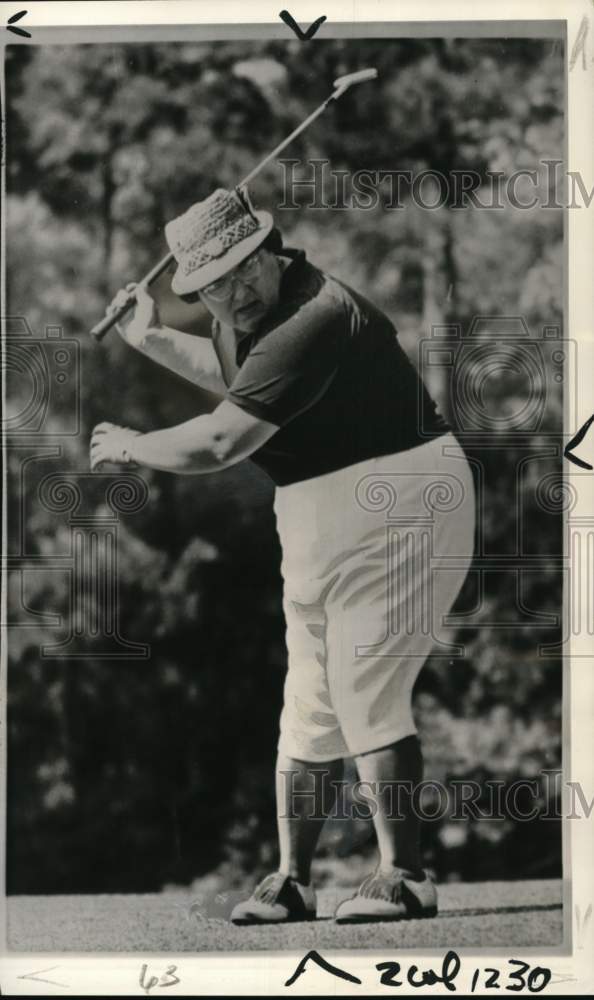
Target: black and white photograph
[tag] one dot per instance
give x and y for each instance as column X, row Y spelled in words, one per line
column 292, row 557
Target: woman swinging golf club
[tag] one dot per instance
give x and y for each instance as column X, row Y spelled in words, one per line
column 317, row 391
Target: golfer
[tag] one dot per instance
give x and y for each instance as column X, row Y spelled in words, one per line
column 316, row 390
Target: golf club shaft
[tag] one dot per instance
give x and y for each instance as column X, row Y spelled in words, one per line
column 107, row 322
column 341, row 85
column 282, row 145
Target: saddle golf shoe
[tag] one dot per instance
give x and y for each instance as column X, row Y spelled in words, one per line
column 389, row 895
column 278, row 899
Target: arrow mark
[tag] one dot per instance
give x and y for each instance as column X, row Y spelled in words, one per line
column 18, row 31
column 579, row 437
column 34, row 976
column 292, row 23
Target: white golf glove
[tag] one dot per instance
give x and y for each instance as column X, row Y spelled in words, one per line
column 144, row 315
column 110, row 443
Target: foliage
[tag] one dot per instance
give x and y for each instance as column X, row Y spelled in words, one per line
column 130, row 775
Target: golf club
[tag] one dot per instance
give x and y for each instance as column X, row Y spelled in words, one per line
column 341, row 85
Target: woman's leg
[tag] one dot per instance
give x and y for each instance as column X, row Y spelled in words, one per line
column 399, row 889
column 398, row 835
column 305, row 796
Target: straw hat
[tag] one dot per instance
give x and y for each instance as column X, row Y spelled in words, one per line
column 212, row 237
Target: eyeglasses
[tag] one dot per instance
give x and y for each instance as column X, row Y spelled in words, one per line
column 247, row 271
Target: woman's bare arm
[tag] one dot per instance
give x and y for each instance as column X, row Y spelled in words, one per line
column 191, row 357
column 208, row 443
column 194, row 358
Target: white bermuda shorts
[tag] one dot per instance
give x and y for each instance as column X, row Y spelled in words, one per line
column 374, row 556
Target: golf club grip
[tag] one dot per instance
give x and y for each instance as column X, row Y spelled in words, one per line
column 105, row 325
column 359, row 77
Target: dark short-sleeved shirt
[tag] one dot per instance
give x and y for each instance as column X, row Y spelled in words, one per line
column 325, row 365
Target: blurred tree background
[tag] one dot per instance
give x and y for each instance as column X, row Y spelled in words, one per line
column 132, row 775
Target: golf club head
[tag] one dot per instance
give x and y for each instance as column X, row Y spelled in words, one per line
column 343, row 83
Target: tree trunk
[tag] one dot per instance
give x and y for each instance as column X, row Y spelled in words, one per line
column 108, row 228
column 439, row 282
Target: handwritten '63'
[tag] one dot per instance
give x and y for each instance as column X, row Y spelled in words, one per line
column 167, row 979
